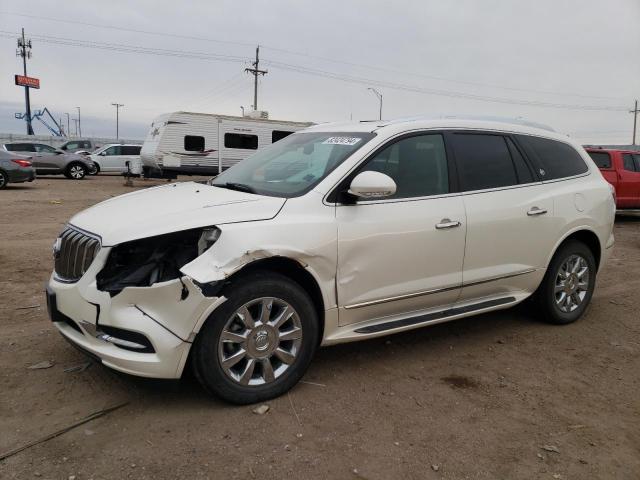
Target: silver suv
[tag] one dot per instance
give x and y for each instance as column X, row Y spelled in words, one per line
column 48, row 160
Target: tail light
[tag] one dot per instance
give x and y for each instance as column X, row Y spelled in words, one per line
column 22, row 163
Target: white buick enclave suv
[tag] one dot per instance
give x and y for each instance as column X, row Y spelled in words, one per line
column 337, row 233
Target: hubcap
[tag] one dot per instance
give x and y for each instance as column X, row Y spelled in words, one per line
column 572, row 283
column 260, row 341
column 77, row 171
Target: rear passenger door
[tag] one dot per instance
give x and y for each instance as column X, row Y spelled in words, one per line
column 509, row 215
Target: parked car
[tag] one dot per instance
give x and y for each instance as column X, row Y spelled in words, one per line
column 15, row 169
column 337, row 233
column 114, row 158
column 51, row 161
column 621, row 168
column 80, row 146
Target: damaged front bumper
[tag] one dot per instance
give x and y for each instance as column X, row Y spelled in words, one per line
column 144, row 331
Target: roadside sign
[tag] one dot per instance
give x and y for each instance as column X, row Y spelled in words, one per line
column 24, row 81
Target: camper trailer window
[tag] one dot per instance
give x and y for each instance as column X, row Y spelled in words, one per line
column 279, row 135
column 194, row 143
column 241, row 140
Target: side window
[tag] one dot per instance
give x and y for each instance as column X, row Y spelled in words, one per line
column 483, row 161
column 114, row 150
column 417, row 164
column 554, row 159
column 72, row 147
column 41, row 148
column 601, row 159
column 636, row 159
column 130, row 150
column 279, row 135
column 627, row 162
column 241, row 140
column 20, row 147
column 194, row 143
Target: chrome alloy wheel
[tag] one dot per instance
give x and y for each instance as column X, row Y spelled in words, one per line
column 76, row 171
column 572, row 283
column 260, row 341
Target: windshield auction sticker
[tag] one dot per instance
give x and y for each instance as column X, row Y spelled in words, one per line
column 341, row 141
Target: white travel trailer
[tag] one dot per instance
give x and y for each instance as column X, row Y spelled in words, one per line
column 204, row 144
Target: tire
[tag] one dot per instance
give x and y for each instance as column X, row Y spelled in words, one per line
column 95, row 170
column 75, row 171
column 263, row 346
column 553, row 309
column 4, row 180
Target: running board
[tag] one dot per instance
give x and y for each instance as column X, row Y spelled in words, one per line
column 406, row 322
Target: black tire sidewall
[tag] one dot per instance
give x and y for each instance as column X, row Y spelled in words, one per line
column 4, row 183
column 550, row 309
column 205, row 359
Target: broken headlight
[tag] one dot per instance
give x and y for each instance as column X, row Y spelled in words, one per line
column 141, row 263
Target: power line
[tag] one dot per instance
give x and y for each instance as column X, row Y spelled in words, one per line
column 317, row 57
column 320, row 73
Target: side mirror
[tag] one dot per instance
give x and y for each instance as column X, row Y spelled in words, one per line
column 372, row 185
column 102, row 154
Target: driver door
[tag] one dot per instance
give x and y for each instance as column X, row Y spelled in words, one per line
column 403, row 253
column 112, row 159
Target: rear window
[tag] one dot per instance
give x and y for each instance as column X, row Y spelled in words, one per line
column 601, row 159
column 241, row 140
column 554, row 159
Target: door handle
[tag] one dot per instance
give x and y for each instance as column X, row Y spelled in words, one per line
column 536, row 211
column 446, row 223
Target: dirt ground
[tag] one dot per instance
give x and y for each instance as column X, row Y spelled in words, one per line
column 476, row 398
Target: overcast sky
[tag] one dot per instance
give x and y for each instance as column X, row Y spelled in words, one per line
column 578, row 54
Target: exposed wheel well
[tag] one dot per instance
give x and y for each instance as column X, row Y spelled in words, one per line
column 297, row 273
column 590, row 239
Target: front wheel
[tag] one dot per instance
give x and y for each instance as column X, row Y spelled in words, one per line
column 76, row 171
column 568, row 285
column 4, row 180
column 259, row 343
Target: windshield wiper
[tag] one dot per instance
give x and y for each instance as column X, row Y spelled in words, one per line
column 241, row 187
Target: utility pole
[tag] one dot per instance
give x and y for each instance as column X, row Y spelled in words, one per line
column 117, row 105
column 75, row 122
column 24, row 51
column 68, row 128
column 635, row 112
column 255, row 71
column 79, row 123
column 379, row 95
column 242, row 110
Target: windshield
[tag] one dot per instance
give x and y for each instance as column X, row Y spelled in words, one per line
column 293, row 165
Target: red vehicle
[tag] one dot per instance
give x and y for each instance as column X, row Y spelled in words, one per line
column 621, row 168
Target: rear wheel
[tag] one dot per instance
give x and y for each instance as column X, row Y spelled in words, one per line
column 76, row 171
column 4, row 180
column 259, row 343
column 568, row 285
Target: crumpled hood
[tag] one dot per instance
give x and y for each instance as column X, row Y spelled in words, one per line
column 171, row 208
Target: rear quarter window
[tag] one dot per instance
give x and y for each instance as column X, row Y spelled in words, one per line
column 601, row 159
column 553, row 159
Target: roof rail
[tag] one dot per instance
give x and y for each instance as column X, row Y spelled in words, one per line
column 487, row 118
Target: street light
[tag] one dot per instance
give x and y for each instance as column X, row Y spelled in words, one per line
column 117, row 105
column 79, row 123
column 68, row 127
column 379, row 95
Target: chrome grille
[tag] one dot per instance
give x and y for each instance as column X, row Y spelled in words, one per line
column 74, row 253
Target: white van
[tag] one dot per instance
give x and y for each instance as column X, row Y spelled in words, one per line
column 114, row 158
column 205, row 144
